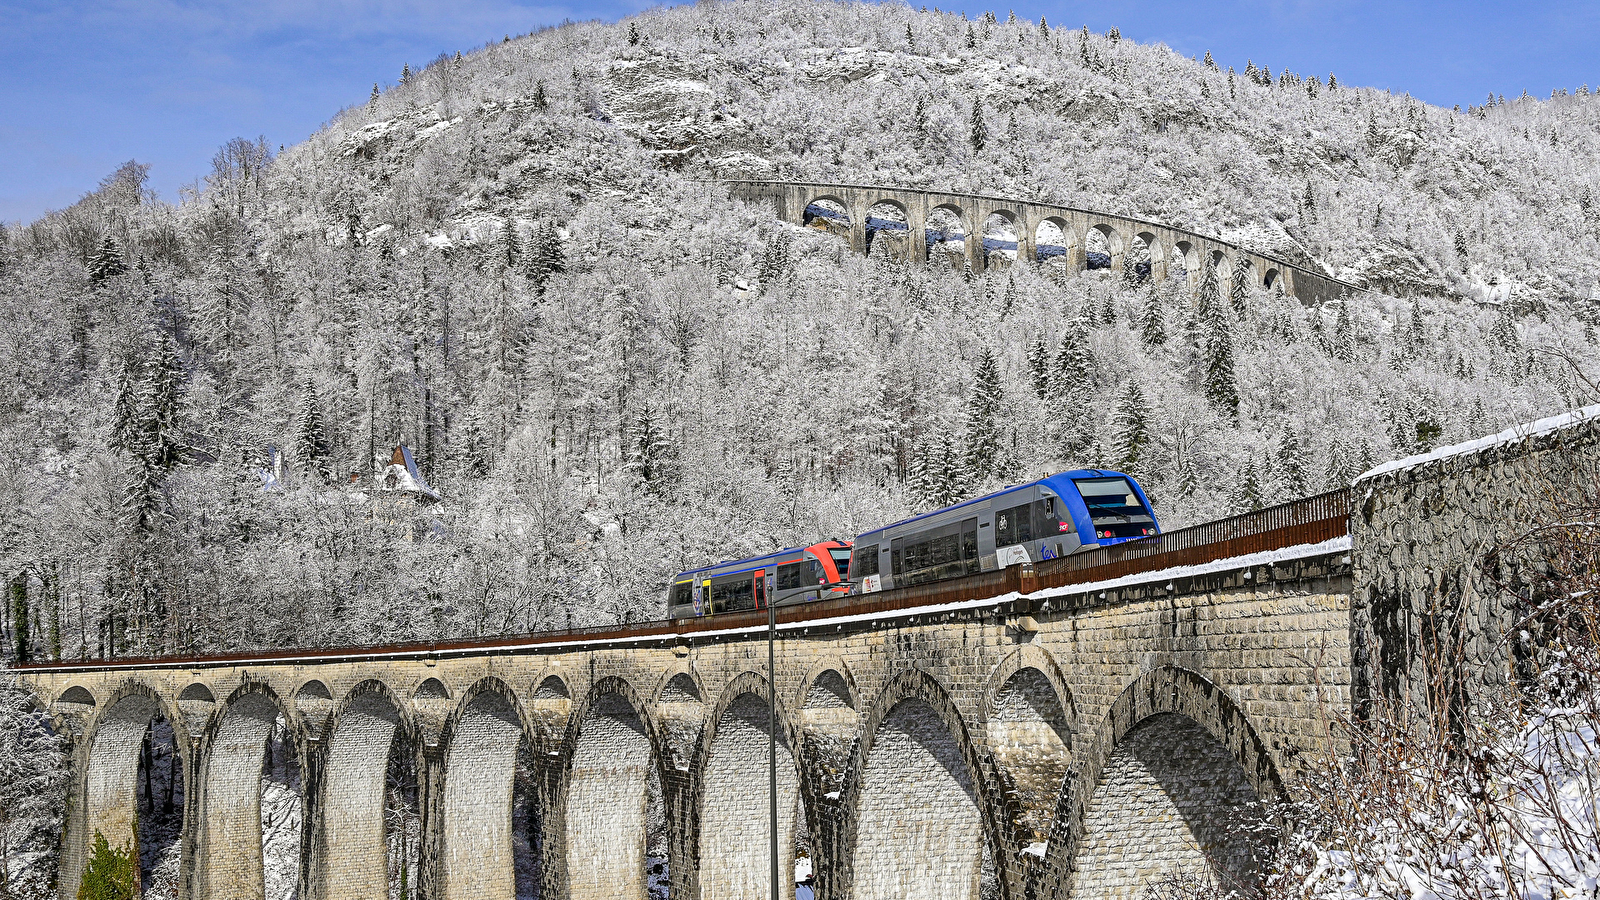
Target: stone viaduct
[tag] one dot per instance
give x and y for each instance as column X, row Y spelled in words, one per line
column 1042, row 232
column 1070, row 730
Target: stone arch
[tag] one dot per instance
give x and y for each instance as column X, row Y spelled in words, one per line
column 1000, row 238
column 731, row 793
column 827, row 213
column 1185, row 258
column 313, row 703
column 430, row 701
column 679, row 684
column 1102, row 247
column 1053, row 241
column 111, row 776
column 1175, row 764
column 612, row 779
column 1150, row 259
column 888, row 229
column 838, row 674
column 1271, row 278
column 946, row 233
column 235, row 780
column 353, row 837
column 77, row 695
column 430, row 689
column 1030, row 720
column 918, row 809
column 482, row 740
column 552, row 687
column 1220, row 262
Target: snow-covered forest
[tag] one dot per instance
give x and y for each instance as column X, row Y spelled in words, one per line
column 511, row 261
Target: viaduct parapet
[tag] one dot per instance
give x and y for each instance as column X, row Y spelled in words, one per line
column 1043, row 233
column 1071, row 730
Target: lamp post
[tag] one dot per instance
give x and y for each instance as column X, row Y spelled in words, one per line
column 772, row 740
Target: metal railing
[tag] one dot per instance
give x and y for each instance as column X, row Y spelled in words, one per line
column 1301, row 522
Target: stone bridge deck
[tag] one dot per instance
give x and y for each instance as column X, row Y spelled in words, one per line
column 1024, row 729
column 1165, row 245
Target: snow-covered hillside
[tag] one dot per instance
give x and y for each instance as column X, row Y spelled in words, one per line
column 517, row 264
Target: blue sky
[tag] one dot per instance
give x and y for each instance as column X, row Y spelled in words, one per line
column 89, row 85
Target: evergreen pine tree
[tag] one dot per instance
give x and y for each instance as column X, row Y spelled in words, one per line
column 1209, row 62
column 1208, row 301
column 510, row 247
column 1044, row 31
column 1152, row 320
column 405, row 74
column 1291, row 466
column 1131, row 424
column 972, row 38
column 1039, row 367
column 107, row 261
column 1130, row 272
column 159, row 406
column 1220, row 388
column 1343, row 341
column 540, row 101
column 374, row 98
column 1247, row 495
column 983, row 444
column 125, row 415
column 546, row 257
column 1108, row 311
column 1239, row 290
column 310, row 437
column 979, row 135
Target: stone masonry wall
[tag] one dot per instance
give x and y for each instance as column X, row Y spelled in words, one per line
column 1425, row 538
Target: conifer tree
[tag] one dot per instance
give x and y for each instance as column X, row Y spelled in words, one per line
column 1291, row 466
column 405, row 74
column 1131, row 424
column 1130, row 272
column 983, row 444
column 972, row 38
column 107, row 261
column 372, row 100
column 1239, row 290
column 1108, row 311
column 1209, row 62
column 1152, row 320
column 979, row 135
column 1343, row 342
column 548, row 256
column 310, row 436
column 1247, row 495
column 1220, row 388
column 510, row 247
column 1039, row 367
column 1044, row 31
column 1208, row 301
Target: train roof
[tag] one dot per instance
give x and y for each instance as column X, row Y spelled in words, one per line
column 760, row 556
column 1074, row 475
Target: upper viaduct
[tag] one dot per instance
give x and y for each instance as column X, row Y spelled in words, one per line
column 1074, row 729
column 1066, row 231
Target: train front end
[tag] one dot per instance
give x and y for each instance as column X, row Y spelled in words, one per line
column 1107, row 507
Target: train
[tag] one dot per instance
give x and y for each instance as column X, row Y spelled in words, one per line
column 791, row 575
column 1055, row 516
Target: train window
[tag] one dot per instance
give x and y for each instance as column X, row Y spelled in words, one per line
column 969, row 546
column 1014, row 526
column 681, row 594
column 735, row 593
column 790, row 577
column 895, row 546
column 818, row 576
column 865, row 562
column 936, row 553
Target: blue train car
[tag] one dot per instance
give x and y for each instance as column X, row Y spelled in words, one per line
column 791, row 575
column 1042, row 519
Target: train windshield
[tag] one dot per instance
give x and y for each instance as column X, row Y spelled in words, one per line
column 1115, row 508
column 841, row 560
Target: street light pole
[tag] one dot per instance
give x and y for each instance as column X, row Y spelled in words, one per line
column 772, row 743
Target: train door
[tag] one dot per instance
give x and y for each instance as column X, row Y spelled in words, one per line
column 760, row 587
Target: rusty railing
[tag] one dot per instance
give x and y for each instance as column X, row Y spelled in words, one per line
column 1300, row 522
